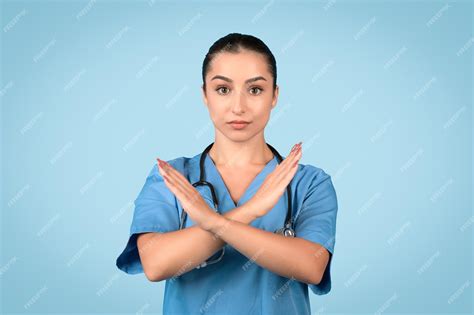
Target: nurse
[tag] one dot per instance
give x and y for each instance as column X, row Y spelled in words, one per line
column 229, row 260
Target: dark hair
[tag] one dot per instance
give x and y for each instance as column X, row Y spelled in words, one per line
column 233, row 43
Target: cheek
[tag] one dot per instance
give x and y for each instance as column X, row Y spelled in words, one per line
column 262, row 109
column 216, row 111
column 262, row 116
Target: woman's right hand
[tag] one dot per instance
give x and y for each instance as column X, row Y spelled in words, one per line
column 275, row 184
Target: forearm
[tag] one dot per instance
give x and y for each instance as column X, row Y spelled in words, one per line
column 164, row 255
column 290, row 257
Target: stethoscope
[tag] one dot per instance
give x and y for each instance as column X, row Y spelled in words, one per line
column 286, row 230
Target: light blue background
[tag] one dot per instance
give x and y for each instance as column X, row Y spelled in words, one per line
column 380, row 93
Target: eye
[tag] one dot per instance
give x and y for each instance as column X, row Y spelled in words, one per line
column 257, row 90
column 220, row 90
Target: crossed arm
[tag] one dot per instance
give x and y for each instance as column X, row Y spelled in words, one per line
column 165, row 255
column 290, row 257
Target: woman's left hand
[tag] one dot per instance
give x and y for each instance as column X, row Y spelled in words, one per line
column 188, row 196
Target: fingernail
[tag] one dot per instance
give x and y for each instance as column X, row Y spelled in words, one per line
column 162, row 164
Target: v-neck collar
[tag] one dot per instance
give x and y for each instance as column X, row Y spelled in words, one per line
column 212, row 172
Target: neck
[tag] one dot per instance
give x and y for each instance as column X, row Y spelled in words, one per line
column 231, row 153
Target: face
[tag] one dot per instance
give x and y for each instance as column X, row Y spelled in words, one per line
column 239, row 87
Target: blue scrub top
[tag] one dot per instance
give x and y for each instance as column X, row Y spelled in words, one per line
column 236, row 284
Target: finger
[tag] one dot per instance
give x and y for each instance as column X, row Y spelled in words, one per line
column 169, row 180
column 176, row 176
column 288, row 161
column 276, row 177
column 292, row 153
column 294, row 156
column 290, row 167
column 175, row 189
column 294, row 167
column 185, row 198
column 281, row 169
column 172, row 183
column 183, row 181
column 297, row 158
column 188, row 192
column 173, row 171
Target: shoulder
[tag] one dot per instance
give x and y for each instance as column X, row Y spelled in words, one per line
column 313, row 183
column 314, row 190
column 311, row 174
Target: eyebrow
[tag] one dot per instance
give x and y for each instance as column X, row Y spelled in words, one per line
column 230, row 80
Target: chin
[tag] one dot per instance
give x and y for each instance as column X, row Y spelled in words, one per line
column 239, row 136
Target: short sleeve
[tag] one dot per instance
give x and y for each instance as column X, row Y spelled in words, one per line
column 316, row 222
column 155, row 210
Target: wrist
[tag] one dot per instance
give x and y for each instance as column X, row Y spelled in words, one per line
column 214, row 222
column 242, row 213
column 250, row 209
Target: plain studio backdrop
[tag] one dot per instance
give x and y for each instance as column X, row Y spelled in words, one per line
column 380, row 93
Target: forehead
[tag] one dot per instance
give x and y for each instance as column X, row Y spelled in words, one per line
column 239, row 66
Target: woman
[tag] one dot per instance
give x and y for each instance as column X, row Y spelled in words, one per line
column 260, row 272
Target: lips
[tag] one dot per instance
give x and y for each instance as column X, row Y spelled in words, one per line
column 238, row 124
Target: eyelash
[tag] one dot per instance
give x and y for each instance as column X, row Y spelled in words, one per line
column 254, row 87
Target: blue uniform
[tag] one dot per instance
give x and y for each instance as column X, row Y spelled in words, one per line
column 236, row 284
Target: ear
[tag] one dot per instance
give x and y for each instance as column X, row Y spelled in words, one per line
column 275, row 96
column 204, row 96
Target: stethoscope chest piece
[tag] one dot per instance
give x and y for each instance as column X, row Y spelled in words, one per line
column 286, row 231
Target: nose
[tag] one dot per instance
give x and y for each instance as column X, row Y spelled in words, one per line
column 238, row 106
